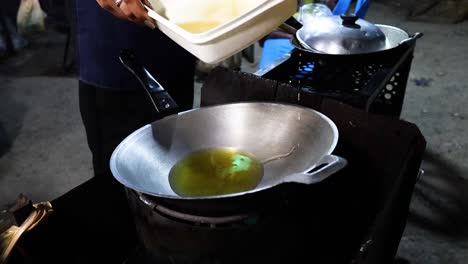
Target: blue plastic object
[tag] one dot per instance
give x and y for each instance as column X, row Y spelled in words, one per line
column 341, row 7
column 273, row 49
column 360, row 10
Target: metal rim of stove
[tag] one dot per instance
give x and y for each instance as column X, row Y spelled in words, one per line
column 211, row 221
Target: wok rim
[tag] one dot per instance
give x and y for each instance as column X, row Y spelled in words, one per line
column 133, row 136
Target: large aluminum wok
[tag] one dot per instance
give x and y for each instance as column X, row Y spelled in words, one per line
column 142, row 162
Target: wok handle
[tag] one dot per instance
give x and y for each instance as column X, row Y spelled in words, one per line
column 412, row 39
column 291, row 26
column 331, row 164
column 159, row 98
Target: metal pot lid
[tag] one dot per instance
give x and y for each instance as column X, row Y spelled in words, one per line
column 345, row 34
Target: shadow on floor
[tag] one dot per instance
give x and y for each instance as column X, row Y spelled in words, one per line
column 11, row 120
column 42, row 57
column 5, row 142
column 440, row 200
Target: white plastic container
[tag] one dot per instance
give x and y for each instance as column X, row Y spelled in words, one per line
column 240, row 23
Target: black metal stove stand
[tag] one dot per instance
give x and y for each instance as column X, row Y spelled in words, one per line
column 365, row 205
column 375, row 82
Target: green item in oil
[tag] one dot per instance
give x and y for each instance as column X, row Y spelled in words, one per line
column 215, row 171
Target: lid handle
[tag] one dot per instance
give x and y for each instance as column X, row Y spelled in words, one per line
column 349, row 20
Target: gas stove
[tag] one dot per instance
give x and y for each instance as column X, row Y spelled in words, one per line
column 375, row 82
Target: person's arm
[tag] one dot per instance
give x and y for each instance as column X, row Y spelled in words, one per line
column 131, row 10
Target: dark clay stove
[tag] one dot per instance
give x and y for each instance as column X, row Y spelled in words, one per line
column 173, row 236
column 278, row 234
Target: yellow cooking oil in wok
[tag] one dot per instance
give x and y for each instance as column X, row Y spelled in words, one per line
column 215, row 171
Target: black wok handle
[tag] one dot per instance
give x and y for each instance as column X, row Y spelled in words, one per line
column 160, row 98
column 291, row 26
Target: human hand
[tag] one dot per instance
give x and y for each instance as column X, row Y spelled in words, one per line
column 131, row 10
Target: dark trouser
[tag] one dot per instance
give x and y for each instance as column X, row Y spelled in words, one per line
column 111, row 115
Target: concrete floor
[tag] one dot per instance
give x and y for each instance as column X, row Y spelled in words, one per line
column 48, row 154
column 437, row 230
